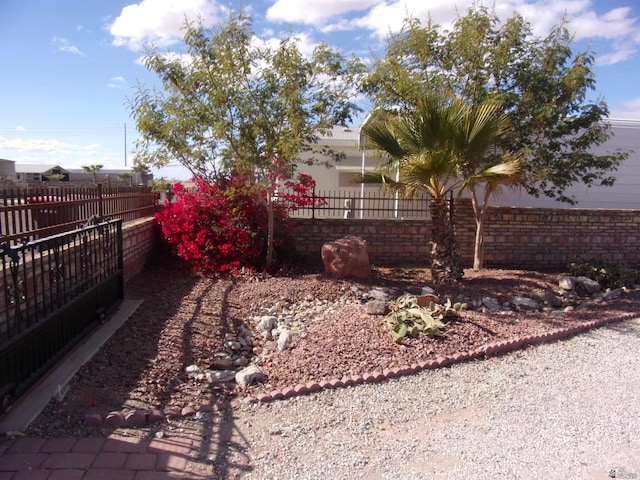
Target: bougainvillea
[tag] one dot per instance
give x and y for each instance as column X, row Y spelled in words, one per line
column 220, row 227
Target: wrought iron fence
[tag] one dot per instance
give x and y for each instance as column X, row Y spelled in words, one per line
column 351, row 204
column 37, row 212
column 53, row 291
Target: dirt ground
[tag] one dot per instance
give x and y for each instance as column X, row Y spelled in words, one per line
column 184, row 319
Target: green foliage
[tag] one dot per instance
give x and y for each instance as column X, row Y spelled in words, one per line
column 541, row 82
column 233, row 105
column 408, row 319
column 607, row 274
column 160, row 185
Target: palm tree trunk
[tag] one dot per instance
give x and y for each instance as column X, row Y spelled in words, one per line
column 445, row 261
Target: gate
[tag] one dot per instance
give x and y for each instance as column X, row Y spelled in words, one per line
column 54, row 291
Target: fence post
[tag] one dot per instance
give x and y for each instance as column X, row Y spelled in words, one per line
column 313, row 204
column 100, row 206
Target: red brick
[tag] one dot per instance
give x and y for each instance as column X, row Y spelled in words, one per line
column 88, row 445
column 126, row 444
column 21, row 461
column 69, row 474
column 110, row 460
column 32, row 475
column 69, row 460
column 167, row 462
column 181, row 446
column 27, row 445
column 141, row 461
column 109, row 474
column 58, row 445
column 159, row 475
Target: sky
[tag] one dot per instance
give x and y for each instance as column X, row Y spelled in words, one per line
column 69, row 68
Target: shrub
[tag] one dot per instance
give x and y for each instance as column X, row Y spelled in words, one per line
column 221, row 227
column 608, row 275
column 408, row 319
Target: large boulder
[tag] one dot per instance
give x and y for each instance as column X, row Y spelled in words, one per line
column 346, row 257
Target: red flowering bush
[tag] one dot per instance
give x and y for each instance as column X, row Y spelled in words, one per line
column 221, row 227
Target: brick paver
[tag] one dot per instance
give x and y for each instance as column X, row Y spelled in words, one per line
column 88, row 445
column 141, row 461
column 57, row 445
column 69, row 474
column 27, row 445
column 32, row 475
column 121, row 458
column 21, row 461
column 57, row 461
column 111, row 460
column 109, row 474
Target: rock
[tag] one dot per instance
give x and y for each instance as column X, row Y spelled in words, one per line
column 587, row 285
column 346, row 257
column 612, row 294
column 492, row 304
column 284, row 339
column 524, row 303
column 426, row 299
column 241, row 362
column 552, row 299
column 376, row 307
column 379, row 294
column 250, row 375
column 192, row 370
column 567, row 283
column 219, row 376
column 427, row 291
column 266, row 323
column 222, row 363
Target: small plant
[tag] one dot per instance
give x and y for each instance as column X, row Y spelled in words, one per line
column 408, row 319
column 608, row 275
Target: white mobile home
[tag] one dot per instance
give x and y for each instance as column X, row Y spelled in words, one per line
column 624, row 194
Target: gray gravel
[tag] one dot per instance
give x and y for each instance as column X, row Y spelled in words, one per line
column 570, row 409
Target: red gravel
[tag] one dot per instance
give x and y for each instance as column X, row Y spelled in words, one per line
column 184, row 319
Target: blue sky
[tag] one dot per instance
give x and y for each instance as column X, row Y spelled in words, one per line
column 68, row 66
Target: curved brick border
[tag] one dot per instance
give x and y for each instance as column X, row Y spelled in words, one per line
column 139, row 418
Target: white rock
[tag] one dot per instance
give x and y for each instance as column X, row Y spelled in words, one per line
column 249, row 375
column 526, row 303
column 192, row 369
column 284, row 339
column 219, row 376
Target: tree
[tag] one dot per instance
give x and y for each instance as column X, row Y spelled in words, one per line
column 93, row 169
column 539, row 82
column 442, row 148
column 237, row 105
column 126, row 177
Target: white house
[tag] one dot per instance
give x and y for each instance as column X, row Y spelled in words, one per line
column 625, row 194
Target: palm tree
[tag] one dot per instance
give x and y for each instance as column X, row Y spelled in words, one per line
column 94, row 169
column 442, row 148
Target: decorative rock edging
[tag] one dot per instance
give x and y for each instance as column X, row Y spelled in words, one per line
column 136, row 418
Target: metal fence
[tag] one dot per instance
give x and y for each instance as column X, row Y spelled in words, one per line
column 37, row 212
column 365, row 205
column 54, row 291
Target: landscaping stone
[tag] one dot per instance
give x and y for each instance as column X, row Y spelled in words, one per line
column 250, row 375
column 346, row 257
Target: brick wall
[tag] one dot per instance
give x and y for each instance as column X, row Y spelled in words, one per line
column 515, row 237
column 139, row 243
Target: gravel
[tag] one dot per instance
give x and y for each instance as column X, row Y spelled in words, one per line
column 569, row 409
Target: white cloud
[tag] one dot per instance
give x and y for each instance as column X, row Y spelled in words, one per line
column 65, row 45
column 160, row 21
column 314, row 12
column 117, row 82
column 629, row 109
column 620, row 53
column 20, row 128
column 54, row 151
